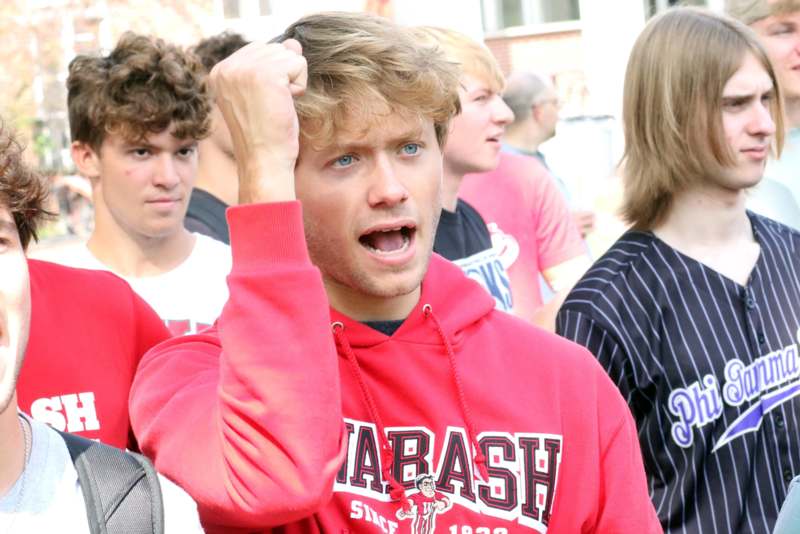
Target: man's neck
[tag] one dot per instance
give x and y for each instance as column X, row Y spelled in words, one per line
column 525, row 139
column 216, row 173
column 707, row 214
column 451, row 182
column 133, row 257
column 12, row 448
column 365, row 308
column 710, row 224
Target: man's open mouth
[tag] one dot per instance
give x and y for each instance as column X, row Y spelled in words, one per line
column 388, row 240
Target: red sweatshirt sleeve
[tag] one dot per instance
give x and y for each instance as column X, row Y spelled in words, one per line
column 246, row 416
column 624, row 504
column 149, row 330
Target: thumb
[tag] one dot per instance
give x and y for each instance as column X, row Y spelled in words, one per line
column 298, row 75
column 294, row 46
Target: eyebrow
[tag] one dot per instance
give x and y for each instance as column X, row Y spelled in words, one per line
column 412, row 133
column 741, row 97
column 738, row 98
column 133, row 145
column 478, row 89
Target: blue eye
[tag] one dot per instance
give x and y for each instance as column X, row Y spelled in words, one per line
column 344, row 161
column 410, row 149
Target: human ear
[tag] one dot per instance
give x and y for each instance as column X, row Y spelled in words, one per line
column 86, row 159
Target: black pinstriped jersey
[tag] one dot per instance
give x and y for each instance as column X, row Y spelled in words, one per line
column 710, row 370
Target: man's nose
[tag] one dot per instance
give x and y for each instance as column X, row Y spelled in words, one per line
column 386, row 188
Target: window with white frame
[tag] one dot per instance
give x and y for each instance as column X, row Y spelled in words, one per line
column 654, row 6
column 502, row 14
column 230, row 9
column 236, row 9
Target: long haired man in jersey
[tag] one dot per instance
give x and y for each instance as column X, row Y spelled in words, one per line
column 777, row 25
column 695, row 311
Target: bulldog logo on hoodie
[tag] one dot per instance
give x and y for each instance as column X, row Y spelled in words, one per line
column 423, row 507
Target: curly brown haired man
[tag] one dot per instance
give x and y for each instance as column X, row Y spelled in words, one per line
column 136, row 117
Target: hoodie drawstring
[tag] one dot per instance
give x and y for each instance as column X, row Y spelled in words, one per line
column 480, row 458
column 396, row 489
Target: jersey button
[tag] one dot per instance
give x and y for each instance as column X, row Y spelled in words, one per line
column 761, row 338
column 750, row 303
column 787, row 475
column 779, row 422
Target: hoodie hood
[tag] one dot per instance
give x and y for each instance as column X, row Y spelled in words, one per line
column 458, row 301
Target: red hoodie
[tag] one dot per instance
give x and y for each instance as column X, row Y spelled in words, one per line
column 253, row 432
column 88, row 332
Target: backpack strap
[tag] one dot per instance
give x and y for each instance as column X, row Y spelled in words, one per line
column 120, row 488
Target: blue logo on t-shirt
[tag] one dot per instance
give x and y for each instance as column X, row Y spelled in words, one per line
column 487, row 269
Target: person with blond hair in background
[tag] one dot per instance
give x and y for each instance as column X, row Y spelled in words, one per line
column 473, row 145
column 777, row 25
column 529, row 227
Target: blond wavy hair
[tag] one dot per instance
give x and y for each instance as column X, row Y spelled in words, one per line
column 672, row 106
column 362, row 68
column 472, row 57
column 750, row 11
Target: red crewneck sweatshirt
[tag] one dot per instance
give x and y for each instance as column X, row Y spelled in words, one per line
column 466, row 419
column 88, row 332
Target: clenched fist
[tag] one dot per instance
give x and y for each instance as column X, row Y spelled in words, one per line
column 255, row 89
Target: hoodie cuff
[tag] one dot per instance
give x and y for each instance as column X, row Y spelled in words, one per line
column 268, row 233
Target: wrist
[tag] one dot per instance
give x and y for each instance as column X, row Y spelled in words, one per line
column 266, row 181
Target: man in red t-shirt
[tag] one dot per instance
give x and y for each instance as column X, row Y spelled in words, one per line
column 88, row 332
column 88, row 329
column 531, row 230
